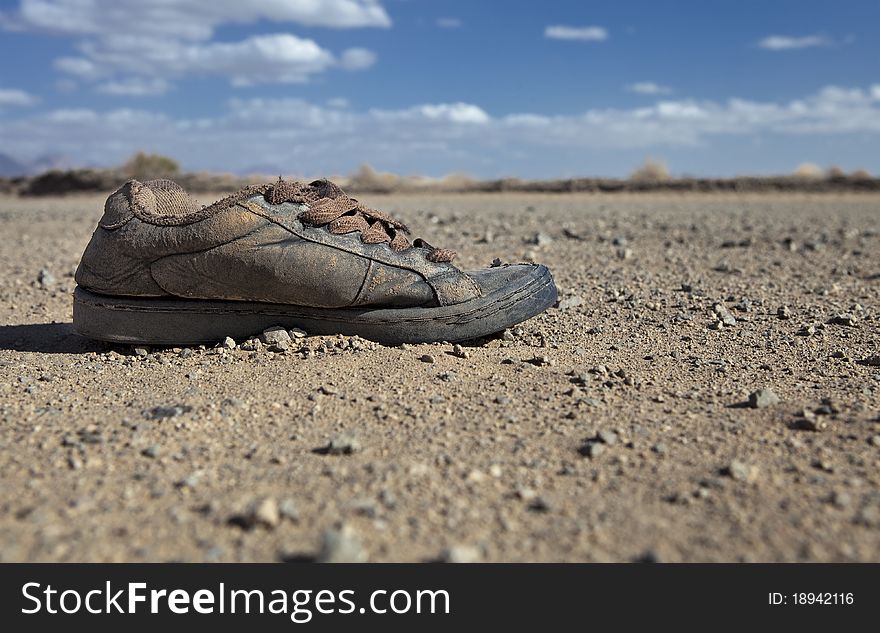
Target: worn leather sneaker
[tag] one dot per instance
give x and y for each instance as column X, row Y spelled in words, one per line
column 161, row 269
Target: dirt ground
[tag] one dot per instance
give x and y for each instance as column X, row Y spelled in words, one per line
column 615, row 427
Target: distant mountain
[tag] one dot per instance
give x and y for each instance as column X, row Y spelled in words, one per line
column 11, row 167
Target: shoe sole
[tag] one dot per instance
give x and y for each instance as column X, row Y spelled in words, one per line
column 187, row 322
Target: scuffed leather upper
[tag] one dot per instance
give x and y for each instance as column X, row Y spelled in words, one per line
column 251, row 250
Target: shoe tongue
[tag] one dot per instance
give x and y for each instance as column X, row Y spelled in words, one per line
column 326, row 189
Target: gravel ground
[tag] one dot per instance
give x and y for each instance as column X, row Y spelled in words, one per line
column 707, row 390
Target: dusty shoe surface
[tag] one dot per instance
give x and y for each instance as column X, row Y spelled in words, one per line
column 161, row 269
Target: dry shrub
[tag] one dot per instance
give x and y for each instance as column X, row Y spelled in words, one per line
column 861, row 174
column 457, row 181
column 651, row 171
column 143, row 166
column 368, row 179
column 836, row 172
column 808, row 171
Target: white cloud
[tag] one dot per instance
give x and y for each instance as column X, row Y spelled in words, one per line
column 443, row 137
column 448, row 23
column 649, row 88
column 78, row 66
column 135, row 87
column 133, row 44
column 188, row 19
column 787, row 43
column 582, row 33
column 357, row 59
column 16, row 97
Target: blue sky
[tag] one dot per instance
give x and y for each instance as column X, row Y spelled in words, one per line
column 522, row 88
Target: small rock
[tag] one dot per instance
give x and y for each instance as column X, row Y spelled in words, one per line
column 843, row 318
column 592, row 449
column 607, row 437
column 297, row 333
column 569, row 302
column 460, row 352
column 141, row 351
column 763, row 398
column 462, row 554
column 725, row 315
column 426, row 358
column 807, row 330
column 45, row 278
column 783, row 313
column 841, row 499
column 261, row 512
column 151, row 451
column 160, row 413
column 809, row 423
column 288, row 510
column 624, row 253
column 228, row 343
column 343, row 445
column 341, row 546
column 541, row 239
column 274, row 336
column 541, row 361
column 875, row 440
column 740, row 471
column 871, row 361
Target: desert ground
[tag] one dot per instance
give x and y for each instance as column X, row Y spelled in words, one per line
column 617, row 426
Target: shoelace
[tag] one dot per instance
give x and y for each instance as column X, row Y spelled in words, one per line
column 329, row 206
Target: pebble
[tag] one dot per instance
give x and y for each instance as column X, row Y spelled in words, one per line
column 297, row 333
column 460, row 352
column 607, row 437
column 259, row 513
column 462, row 554
column 871, row 361
column 740, row 471
column 228, row 343
column 592, row 449
column 843, row 318
column 45, row 278
column 341, row 546
column 276, row 335
column 141, row 351
column 151, row 451
column 343, row 445
column 541, row 239
column 809, row 423
column 763, row 398
column 783, row 313
column 569, row 302
column 541, row 361
column 161, row 413
column 875, row 440
column 725, row 315
column 426, row 358
column 288, row 509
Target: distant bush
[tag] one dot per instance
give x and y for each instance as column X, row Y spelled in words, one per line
column 808, row 171
column 861, row 174
column 835, row 172
column 368, row 179
column 651, row 171
column 143, row 166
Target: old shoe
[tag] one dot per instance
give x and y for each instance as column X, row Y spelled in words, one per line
column 161, row 269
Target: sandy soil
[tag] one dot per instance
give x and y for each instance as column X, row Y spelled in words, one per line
column 606, row 430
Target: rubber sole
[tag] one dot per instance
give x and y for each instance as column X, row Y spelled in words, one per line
column 187, row 322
